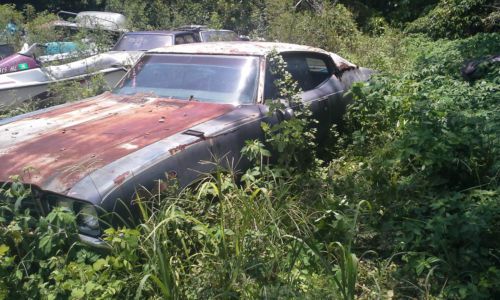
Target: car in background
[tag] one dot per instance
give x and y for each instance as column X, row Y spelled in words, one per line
column 205, row 34
column 147, row 40
column 177, row 106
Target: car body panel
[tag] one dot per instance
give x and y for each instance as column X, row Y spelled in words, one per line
column 71, row 142
column 102, row 150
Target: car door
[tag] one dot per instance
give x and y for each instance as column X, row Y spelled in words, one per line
column 321, row 89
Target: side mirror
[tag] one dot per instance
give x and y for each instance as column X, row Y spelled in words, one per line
column 282, row 109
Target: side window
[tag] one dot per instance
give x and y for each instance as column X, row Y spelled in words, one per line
column 179, row 39
column 309, row 69
column 188, row 38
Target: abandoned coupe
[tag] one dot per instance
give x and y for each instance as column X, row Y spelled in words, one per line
column 177, row 106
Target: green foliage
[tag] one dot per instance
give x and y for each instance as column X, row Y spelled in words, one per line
column 39, row 31
column 424, row 146
column 334, row 26
column 8, row 13
column 420, row 143
column 161, row 15
column 60, row 93
column 396, row 12
column 42, row 257
column 68, row 91
column 293, row 136
column 458, row 18
column 453, row 237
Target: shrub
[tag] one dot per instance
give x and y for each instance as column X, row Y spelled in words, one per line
column 457, row 18
column 332, row 28
column 424, row 147
column 8, row 13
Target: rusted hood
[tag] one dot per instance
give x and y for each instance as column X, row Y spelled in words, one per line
column 57, row 148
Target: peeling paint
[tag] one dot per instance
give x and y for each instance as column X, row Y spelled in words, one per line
column 121, row 178
column 182, row 147
column 101, row 130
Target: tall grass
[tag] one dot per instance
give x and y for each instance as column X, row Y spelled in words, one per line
column 239, row 240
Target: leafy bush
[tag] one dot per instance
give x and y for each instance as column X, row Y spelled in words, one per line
column 424, row 147
column 420, row 143
column 8, row 13
column 457, row 18
column 333, row 28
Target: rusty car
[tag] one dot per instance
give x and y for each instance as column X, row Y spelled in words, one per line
column 177, row 106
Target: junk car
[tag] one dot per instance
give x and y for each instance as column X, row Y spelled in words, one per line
column 205, row 34
column 177, row 106
column 146, row 40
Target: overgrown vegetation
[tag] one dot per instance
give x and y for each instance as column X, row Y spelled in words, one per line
column 405, row 204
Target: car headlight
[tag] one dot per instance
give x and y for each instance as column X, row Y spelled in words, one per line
column 87, row 218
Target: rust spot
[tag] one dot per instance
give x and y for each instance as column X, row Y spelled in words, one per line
column 182, row 147
column 177, row 149
column 137, row 99
column 345, row 67
column 120, row 179
column 98, row 136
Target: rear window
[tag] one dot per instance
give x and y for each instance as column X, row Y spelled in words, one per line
column 184, row 39
column 142, row 42
column 219, row 36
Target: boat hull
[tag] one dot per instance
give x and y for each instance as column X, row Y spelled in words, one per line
column 16, row 94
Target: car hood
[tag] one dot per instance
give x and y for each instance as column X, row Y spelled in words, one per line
column 56, row 148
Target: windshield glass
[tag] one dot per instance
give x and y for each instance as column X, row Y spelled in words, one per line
column 218, row 36
column 139, row 42
column 206, row 78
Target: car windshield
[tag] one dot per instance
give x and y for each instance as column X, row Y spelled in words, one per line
column 142, row 42
column 206, row 78
column 218, row 36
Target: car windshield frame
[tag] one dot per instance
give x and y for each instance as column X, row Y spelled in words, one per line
column 144, row 42
column 212, row 78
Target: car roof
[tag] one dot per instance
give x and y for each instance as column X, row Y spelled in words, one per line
column 165, row 32
column 199, row 28
column 236, row 48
